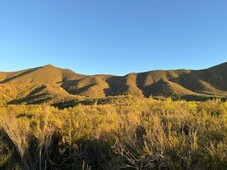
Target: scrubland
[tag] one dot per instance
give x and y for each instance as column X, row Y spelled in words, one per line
column 127, row 133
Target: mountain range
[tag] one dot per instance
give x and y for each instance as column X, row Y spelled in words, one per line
column 52, row 84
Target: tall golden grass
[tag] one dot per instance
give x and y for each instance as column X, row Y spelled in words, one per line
column 133, row 134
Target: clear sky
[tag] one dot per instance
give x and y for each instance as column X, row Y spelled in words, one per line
column 112, row 36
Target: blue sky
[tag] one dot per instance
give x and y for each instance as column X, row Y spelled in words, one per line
column 112, row 36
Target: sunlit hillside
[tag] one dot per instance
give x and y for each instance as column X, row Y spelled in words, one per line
column 49, row 84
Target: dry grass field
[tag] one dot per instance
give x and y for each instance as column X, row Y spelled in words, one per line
column 123, row 133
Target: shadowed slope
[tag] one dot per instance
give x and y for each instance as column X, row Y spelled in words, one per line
column 146, row 80
column 90, row 86
column 167, row 88
column 124, row 85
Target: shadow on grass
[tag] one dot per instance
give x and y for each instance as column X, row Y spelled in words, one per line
column 53, row 153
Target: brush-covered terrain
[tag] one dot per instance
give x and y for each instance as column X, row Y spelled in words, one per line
column 53, row 118
column 125, row 133
column 49, row 84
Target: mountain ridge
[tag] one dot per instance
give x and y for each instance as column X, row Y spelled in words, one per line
column 49, row 83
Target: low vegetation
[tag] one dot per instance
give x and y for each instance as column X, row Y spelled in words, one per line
column 126, row 133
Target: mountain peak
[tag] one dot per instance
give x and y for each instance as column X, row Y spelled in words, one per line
column 49, row 66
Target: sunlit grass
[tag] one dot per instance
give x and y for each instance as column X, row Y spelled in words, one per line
column 137, row 134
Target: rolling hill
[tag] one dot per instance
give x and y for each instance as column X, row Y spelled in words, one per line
column 51, row 84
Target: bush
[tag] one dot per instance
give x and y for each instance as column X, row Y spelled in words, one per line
column 142, row 134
